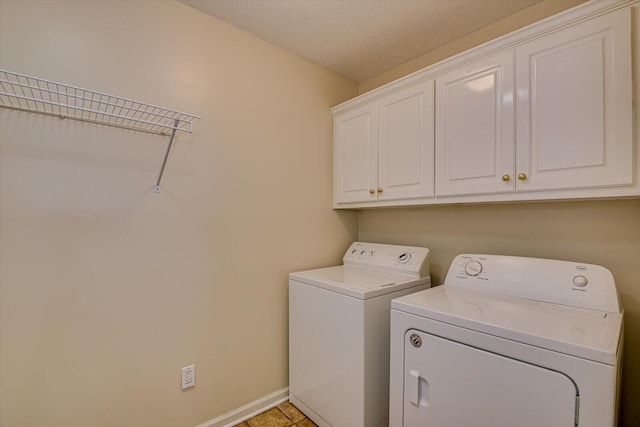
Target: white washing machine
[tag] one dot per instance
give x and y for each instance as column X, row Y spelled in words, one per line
column 508, row 341
column 339, row 332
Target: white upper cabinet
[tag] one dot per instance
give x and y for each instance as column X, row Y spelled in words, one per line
column 574, row 122
column 356, row 154
column 543, row 113
column 474, row 128
column 405, row 143
column 384, row 149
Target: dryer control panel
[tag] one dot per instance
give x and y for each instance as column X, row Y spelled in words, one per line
column 551, row 281
column 410, row 261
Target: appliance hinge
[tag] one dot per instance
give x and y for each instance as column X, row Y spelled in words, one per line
column 577, row 414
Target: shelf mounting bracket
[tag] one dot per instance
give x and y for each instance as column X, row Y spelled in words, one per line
column 166, row 155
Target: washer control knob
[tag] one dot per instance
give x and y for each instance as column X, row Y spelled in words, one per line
column 404, row 257
column 473, row 268
column 580, row 281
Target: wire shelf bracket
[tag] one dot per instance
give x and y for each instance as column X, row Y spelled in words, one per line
column 33, row 94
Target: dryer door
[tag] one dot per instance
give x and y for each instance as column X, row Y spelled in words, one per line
column 447, row 383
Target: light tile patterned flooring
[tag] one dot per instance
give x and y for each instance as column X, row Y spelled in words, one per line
column 283, row 415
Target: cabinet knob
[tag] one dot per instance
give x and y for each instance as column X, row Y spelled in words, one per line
column 371, row 191
column 506, row 178
column 522, row 176
column 379, row 190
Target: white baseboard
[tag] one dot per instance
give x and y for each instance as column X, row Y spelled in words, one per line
column 249, row 410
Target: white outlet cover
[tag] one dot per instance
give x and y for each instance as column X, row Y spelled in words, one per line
column 188, row 376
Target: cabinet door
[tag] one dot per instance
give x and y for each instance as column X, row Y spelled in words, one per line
column 356, row 155
column 574, row 124
column 405, row 163
column 474, row 128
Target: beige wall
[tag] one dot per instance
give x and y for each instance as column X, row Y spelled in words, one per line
column 107, row 288
column 598, row 232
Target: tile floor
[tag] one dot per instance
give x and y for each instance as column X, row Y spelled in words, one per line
column 283, row 415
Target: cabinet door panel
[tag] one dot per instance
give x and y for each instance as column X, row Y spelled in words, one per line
column 574, row 124
column 474, row 128
column 406, row 143
column 356, row 155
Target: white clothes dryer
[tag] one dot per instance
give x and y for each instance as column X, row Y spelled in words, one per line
column 508, row 341
column 339, row 332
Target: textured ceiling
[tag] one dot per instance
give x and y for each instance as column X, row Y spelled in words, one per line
column 359, row 38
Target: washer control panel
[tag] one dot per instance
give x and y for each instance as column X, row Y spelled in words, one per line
column 553, row 281
column 410, row 261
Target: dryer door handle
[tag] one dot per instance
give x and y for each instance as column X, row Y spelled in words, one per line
column 417, row 389
column 413, row 387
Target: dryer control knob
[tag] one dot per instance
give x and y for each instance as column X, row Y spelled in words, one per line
column 580, row 281
column 404, row 257
column 473, row 268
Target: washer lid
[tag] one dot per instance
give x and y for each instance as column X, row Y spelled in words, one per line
column 589, row 334
column 362, row 284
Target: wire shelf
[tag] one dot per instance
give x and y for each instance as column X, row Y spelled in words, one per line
column 27, row 93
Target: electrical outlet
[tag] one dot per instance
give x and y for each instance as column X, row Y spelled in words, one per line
column 188, row 376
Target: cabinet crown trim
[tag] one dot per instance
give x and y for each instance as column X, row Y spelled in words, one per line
column 558, row 22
